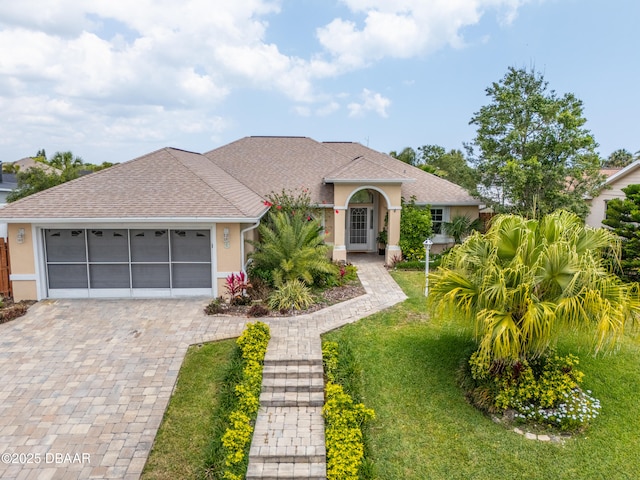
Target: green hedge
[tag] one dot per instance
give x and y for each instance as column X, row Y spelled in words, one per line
column 237, row 438
column 343, row 423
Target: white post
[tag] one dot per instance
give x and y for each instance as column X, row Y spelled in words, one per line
column 427, row 247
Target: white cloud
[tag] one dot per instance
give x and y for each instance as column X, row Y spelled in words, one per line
column 371, row 102
column 404, row 28
column 126, row 71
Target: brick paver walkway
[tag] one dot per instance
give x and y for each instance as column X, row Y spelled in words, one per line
column 84, row 383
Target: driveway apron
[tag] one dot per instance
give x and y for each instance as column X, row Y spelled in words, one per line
column 84, row 383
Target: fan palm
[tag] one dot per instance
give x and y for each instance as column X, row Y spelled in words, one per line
column 461, row 227
column 524, row 279
column 291, row 247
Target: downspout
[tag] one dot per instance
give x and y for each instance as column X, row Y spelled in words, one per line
column 242, row 232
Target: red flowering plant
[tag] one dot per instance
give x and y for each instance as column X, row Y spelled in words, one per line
column 291, row 202
column 236, row 286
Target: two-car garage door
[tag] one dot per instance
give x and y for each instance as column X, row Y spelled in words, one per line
column 127, row 262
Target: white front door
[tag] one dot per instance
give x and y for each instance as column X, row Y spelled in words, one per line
column 360, row 229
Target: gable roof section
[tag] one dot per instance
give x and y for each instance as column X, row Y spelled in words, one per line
column 614, row 177
column 361, row 169
column 168, row 184
column 427, row 188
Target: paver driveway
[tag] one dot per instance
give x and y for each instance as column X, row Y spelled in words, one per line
column 84, row 383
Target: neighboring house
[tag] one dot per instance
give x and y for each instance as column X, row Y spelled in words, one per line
column 8, row 183
column 30, row 162
column 617, row 179
column 175, row 223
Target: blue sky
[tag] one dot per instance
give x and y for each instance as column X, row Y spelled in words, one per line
column 111, row 80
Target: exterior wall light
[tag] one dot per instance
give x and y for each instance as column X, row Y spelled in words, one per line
column 225, row 238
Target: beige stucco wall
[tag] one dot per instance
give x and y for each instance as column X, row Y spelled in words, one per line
column 471, row 211
column 228, row 254
column 598, row 204
column 328, row 215
column 22, row 262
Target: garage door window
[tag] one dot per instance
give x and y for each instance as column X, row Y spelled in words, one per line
column 124, row 259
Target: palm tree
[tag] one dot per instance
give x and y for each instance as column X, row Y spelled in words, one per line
column 65, row 161
column 461, row 227
column 525, row 279
column 291, row 247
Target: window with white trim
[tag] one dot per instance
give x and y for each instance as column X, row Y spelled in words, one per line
column 437, row 220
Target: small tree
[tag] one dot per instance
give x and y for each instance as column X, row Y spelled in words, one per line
column 534, row 155
column 623, row 216
column 524, row 279
column 415, row 228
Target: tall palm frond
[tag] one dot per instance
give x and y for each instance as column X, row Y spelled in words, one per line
column 291, row 247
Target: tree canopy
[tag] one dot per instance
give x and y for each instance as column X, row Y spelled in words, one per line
column 623, row 216
column 531, row 150
column 451, row 165
column 35, row 179
column 618, row 159
column 66, row 166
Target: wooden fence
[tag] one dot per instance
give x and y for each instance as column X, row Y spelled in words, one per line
column 5, row 269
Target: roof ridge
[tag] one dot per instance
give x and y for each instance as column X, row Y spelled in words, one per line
column 212, row 188
column 198, row 177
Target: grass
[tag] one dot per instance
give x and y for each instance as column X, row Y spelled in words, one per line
column 181, row 446
column 424, row 428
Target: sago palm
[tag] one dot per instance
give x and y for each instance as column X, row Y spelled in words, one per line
column 291, row 247
column 525, row 279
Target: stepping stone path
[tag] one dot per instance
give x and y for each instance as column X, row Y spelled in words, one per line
column 288, row 440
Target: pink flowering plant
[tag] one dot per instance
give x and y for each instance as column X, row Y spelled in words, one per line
column 236, row 287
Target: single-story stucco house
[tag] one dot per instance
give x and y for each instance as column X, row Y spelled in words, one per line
column 616, row 180
column 175, row 223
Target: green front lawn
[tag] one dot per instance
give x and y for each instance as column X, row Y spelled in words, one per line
column 181, row 447
column 424, row 428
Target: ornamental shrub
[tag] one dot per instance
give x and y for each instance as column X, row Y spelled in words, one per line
column 291, row 247
column 292, row 295
column 343, row 422
column 545, row 391
column 237, row 438
column 415, row 228
column 343, row 433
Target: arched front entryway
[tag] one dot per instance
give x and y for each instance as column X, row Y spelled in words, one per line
column 362, row 212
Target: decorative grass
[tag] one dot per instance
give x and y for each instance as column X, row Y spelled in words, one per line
column 424, row 428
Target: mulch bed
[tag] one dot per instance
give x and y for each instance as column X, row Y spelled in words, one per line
column 11, row 310
column 327, row 298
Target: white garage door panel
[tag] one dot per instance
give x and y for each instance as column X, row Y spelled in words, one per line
column 121, row 263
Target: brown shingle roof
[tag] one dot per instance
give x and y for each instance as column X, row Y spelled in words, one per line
column 229, row 182
column 166, row 184
column 269, row 164
column 427, row 188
